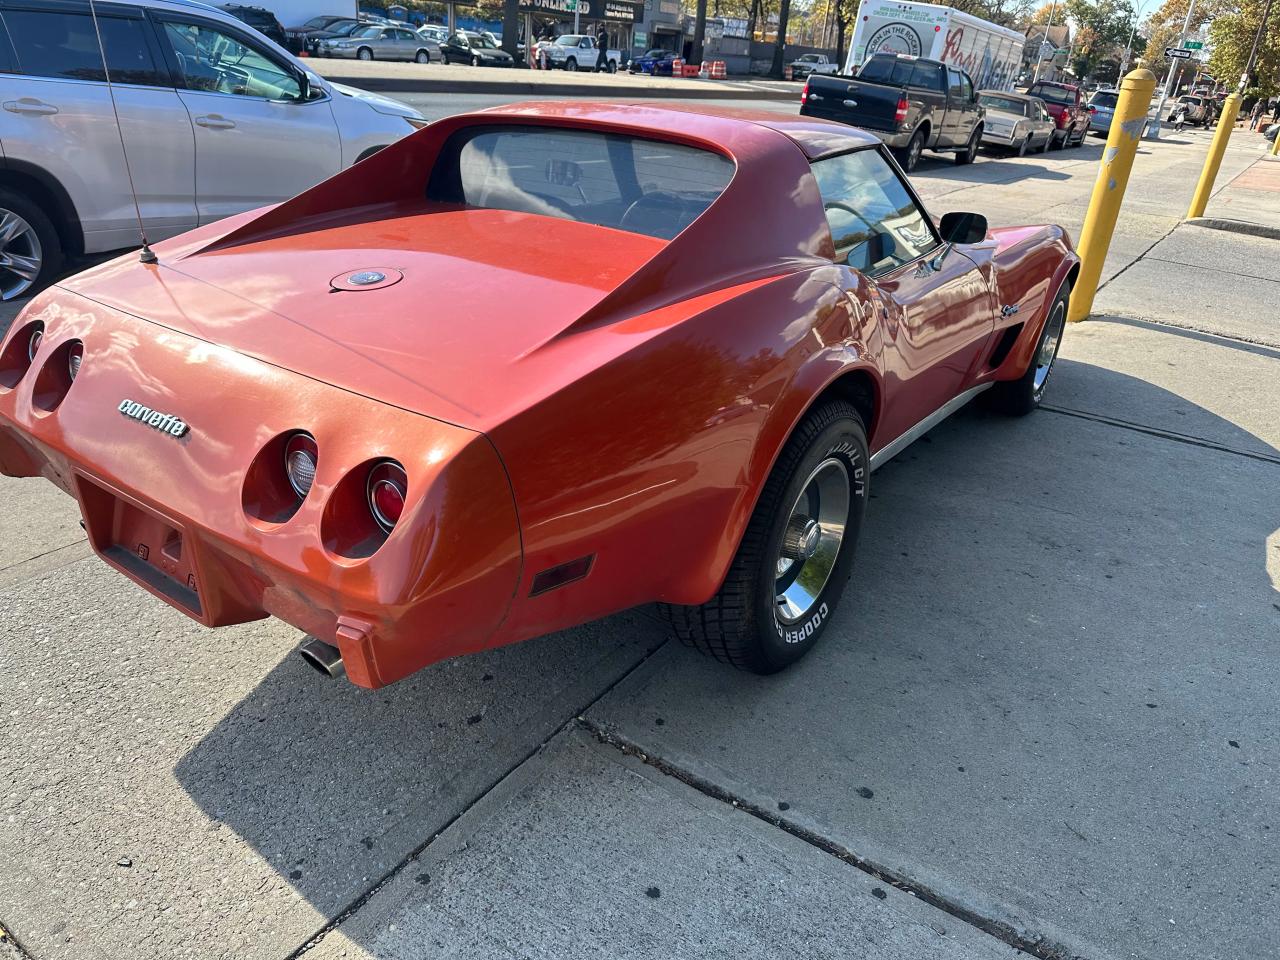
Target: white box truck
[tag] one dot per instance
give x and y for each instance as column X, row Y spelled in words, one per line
column 990, row 54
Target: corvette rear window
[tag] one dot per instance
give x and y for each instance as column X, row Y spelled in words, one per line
column 628, row 183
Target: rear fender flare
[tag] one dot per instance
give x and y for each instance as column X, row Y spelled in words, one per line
column 1015, row 364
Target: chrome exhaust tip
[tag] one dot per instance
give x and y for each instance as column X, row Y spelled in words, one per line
column 323, row 656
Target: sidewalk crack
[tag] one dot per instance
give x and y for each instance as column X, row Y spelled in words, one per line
column 1040, row 947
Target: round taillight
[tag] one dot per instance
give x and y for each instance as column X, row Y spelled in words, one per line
column 33, row 345
column 300, row 457
column 74, row 355
column 388, row 486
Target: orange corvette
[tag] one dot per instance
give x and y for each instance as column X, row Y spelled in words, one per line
column 523, row 369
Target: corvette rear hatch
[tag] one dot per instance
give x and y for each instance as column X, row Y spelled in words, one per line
column 452, row 304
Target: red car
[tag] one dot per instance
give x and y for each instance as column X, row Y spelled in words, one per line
column 523, row 369
column 1066, row 106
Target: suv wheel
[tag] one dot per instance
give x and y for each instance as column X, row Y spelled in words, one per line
column 30, row 250
column 571, row 64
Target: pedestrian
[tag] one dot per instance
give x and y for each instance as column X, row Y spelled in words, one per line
column 1275, row 112
column 602, row 51
column 1255, row 115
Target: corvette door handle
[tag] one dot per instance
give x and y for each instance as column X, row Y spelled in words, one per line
column 215, row 122
column 30, row 106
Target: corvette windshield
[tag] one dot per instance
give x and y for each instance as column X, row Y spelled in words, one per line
column 627, row 183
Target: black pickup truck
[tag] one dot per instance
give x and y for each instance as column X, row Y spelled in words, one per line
column 910, row 103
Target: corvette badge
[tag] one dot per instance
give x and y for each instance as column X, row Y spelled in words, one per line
column 164, row 422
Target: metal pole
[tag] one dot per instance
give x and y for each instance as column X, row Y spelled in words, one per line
column 1153, row 129
column 576, row 17
column 1128, row 47
column 1257, row 38
column 1040, row 52
column 1108, row 190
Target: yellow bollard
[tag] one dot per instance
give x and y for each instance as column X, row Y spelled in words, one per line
column 1226, row 123
column 1108, row 190
column 1275, row 144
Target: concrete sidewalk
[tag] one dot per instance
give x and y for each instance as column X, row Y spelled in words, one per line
column 1045, row 720
column 423, row 78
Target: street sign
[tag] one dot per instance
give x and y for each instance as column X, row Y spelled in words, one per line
column 1177, row 53
column 1195, row 44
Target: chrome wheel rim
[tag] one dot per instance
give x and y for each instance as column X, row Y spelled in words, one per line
column 811, row 541
column 21, row 255
column 913, row 152
column 1048, row 349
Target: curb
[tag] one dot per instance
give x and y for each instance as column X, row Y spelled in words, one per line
column 1236, row 226
column 551, row 92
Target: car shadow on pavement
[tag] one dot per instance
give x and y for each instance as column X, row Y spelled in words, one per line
column 1050, row 569
column 994, row 169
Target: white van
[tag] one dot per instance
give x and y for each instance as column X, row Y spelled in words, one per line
column 215, row 117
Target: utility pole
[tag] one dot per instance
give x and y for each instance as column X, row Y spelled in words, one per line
column 1040, row 52
column 699, row 33
column 1153, row 129
column 1128, row 47
column 1257, row 39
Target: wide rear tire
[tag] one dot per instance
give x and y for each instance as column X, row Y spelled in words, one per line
column 796, row 555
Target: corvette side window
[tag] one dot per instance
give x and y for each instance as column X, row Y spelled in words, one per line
column 875, row 224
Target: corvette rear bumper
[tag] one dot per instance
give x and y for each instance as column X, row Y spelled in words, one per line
column 195, row 519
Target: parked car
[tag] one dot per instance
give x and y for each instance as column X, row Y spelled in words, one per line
column 378, row 42
column 1066, row 105
column 656, row 62
column 803, row 67
column 910, row 103
column 466, row 46
column 577, row 52
column 1194, row 108
column 609, row 416
column 339, row 28
column 434, row 31
column 318, row 44
column 261, row 19
column 298, row 36
column 216, row 119
column 1102, row 106
column 1015, row 122
column 429, row 39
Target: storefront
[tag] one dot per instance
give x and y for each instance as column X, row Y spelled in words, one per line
column 544, row 19
column 661, row 27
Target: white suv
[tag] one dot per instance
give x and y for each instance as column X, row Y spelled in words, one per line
column 215, row 117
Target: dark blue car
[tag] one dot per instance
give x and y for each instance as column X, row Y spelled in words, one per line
column 656, row 62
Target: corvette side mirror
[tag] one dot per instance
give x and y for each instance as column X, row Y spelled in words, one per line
column 963, row 228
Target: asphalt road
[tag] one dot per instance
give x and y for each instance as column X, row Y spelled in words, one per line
column 1046, row 720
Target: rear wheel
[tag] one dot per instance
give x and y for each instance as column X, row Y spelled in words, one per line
column 1019, row 397
column 30, row 249
column 613, row 66
column 1059, row 142
column 1024, row 146
column 909, row 155
column 795, row 557
column 970, row 152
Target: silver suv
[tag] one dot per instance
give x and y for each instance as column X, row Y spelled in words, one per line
column 215, row 117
